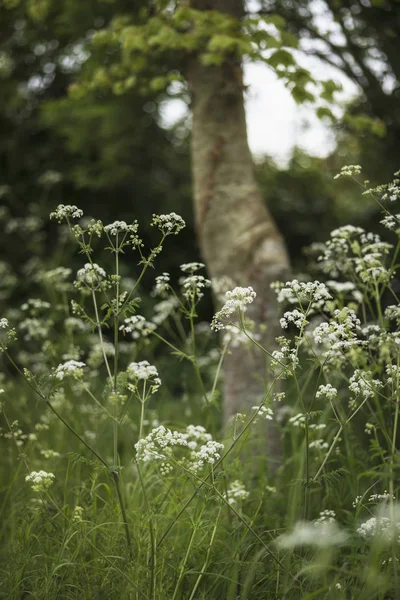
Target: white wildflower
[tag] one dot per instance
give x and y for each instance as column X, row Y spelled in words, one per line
column 193, row 285
column 162, row 285
column 120, row 227
column 170, row 224
column 236, row 493
column 326, row 391
column 348, row 171
column 192, row 267
column 65, row 211
column 71, row 368
column 137, row 326
column 236, row 299
column 40, row 480
column 296, row 317
column 91, row 274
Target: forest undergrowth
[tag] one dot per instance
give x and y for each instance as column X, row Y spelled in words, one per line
column 118, row 479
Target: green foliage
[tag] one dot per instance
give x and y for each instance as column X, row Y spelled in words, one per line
column 130, row 514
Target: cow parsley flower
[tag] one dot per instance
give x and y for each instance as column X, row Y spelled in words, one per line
column 326, row 391
column 236, row 299
column 311, row 293
column 137, row 326
column 170, row 224
column 40, row 480
column 193, row 285
column 66, row 211
column 144, row 371
column 4, row 324
column 91, row 274
column 348, row 171
column 209, row 453
column 72, row 368
column 236, row 493
column 120, row 227
column 192, row 267
column 296, row 317
column 162, row 285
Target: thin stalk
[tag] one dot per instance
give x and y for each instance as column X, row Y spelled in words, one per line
column 101, row 337
column 116, row 349
column 152, row 538
column 72, row 430
column 122, row 506
column 199, row 578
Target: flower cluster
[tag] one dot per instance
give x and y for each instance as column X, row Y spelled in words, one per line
column 137, row 326
column 120, row 227
column 339, row 334
column 382, row 527
column 237, row 299
column 91, row 275
column 348, row 171
column 193, row 285
column 285, row 360
column 192, row 267
column 264, row 412
column 209, row 453
column 311, row 293
column 170, row 224
column 40, row 480
column 326, row 391
column 162, row 285
column 159, row 444
column 71, row 368
column 156, row 445
column 296, row 317
column 66, row 211
column 236, row 493
column 362, row 385
column 143, row 371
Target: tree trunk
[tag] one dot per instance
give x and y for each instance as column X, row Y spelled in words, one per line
column 237, row 235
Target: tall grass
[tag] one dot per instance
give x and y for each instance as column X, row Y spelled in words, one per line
column 116, row 478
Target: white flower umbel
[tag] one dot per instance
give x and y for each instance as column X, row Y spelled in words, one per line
column 170, row 224
column 193, row 285
column 237, row 299
column 66, row 211
column 137, row 326
column 263, row 412
column 311, row 293
column 4, row 324
column 362, row 385
column 120, row 227
column 145, row 372
column 162, row 285
column 40, row 480
column 348, row 171
column 156, row 445
column 71, row 368
column 296, row 317
column 91, row 274
column 208, row 454
column 192, row 267
column 236, row 493
column 326, row 391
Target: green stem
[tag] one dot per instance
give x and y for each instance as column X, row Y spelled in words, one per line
column 72, row 430
column 122, row 506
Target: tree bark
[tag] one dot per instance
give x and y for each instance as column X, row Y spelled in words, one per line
column 237, row 235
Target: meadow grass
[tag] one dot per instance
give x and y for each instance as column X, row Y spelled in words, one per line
column 118, row 479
